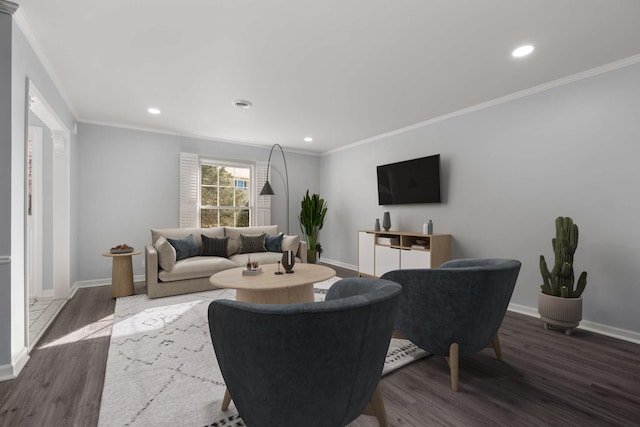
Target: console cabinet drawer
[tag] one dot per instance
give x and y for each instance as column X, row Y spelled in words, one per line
column 383, row 251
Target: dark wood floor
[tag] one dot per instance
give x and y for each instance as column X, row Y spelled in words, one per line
column 547, row 378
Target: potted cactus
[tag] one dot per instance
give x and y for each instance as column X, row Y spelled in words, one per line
column 560, row 299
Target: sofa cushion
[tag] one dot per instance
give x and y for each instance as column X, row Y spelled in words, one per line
column 214, row 246
column 166, row 254
column 274, row 243
column 196, row 267
column 290, row 243
column 252, row 243
column 177, row 233
column 234, row 235
column 185, row 247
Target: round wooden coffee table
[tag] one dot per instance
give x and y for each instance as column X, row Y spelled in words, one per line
column 269, row 288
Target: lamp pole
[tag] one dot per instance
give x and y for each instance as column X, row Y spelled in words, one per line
column 267, row 190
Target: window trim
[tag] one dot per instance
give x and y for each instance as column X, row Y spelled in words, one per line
column 213, row 161
column 189, row 190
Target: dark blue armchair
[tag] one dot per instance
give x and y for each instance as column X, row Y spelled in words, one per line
column 309, row 364
column 455, row 310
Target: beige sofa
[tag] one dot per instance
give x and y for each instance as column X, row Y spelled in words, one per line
column 192, row 274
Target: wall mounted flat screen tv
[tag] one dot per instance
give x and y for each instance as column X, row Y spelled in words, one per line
column 411, row 181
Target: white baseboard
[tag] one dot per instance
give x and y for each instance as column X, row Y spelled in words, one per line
column 338, row 263
column 33, row 341
column 523, row 309
column 610, row 331
column 11, row 371
column 91, row 283
column 587, row 325
column 103, row 282
column 47, row 293
column 598, row 328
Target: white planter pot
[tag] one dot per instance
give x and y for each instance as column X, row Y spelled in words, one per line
column 560, row 312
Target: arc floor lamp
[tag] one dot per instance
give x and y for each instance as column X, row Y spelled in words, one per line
column 267, row 190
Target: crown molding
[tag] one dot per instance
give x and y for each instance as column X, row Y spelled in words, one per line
column 265, row 146
column 507, row 98
column 8, row 7
column 23, row 24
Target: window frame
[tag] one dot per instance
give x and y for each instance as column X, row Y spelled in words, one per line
column 252, row 188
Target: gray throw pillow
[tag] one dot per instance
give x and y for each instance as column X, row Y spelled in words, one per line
column 185, row 247
column 252, row 243
column 273, row 243
column 214, row 246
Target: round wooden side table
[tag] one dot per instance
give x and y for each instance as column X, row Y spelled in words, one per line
column 122, row 274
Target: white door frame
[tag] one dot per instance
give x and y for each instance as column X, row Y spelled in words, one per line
column 61, row 191
column 34, row 221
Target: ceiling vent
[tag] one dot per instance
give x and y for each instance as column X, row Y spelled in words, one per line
column 242, row 104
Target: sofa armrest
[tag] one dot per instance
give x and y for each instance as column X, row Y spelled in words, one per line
column 151, row 266
column 302, row 251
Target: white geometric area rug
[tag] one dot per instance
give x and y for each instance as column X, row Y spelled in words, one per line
column 161, row 367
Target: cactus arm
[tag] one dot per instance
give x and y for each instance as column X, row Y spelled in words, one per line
column 582, row 283
column 573, row 237
column 558, row 261
column 546, row 277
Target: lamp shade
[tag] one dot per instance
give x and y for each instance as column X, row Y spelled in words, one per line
column 267, row 190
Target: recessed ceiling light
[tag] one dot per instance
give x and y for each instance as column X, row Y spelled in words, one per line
column 308, row 139
column 242, row 104
column 522, row 51
column 153, row 110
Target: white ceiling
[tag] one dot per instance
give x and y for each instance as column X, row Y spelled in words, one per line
column 341, row 71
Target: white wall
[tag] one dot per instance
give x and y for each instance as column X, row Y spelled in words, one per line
column 5, row 187
column 23, row 64
column 47, row 202
column 129, row 183
column 507, row 172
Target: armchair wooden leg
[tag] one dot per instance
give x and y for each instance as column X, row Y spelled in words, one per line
column 495, row 343
column 226, row 400
column 453, row 365
column 375, row 407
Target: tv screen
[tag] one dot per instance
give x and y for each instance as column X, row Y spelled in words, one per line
column 411, row 181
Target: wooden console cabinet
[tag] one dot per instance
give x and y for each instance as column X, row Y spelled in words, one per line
column 382, row 251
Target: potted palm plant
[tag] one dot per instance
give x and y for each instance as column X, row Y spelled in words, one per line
column 560, row 299
column 313, row 210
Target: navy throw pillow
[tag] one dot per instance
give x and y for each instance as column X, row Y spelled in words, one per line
column 273, row 243
column 185, row 247
column 214, row 246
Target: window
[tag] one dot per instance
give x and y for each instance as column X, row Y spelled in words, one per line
column 216, row 192
column 225, row 199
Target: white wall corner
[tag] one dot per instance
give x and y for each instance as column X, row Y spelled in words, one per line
column 10, row 372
